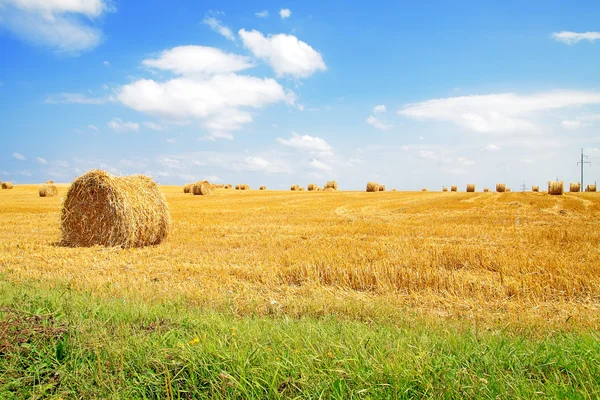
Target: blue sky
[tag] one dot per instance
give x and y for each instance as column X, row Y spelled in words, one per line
column 417, row 95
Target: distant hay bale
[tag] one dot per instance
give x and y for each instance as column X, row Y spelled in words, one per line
column 49, row 182
column 555, row 187
column 312, row 186
column 237, row 187
column 295, row 188
column 507, row 190
column 574, row 187
column 329, row 189
column 535, row 188
column 244, row 186
column 103, row 209
column 372, row 187
column 227, row 186
column 7, row 185
column 187, row 188
column 500, row 187
column 394, row 189
column 591, row 187
column 382, row 188
column 48, row 191
column 445, row 189
column 201, row 188
column 424, row 190
column 486, row 189
column 263, row 188
column 470, row 187
column 453, row 188
column 331, row 185
column 301, row 189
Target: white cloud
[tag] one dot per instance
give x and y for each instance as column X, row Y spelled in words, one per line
column 465, row 161
column 285, row 13
column 169, row 162
column 262, row 14
column 120, row 126
column 41, row 160
column 377, row 123
column 216, row 26
column 575, row 37
column 427, row 155
column 212, row 178
column 77, row 98
column 316, row 164
column 67, row 26
column 106, row 64
column 497, row 113
column 308, row 143
column 19, row 156
column 492, row 147
column 571, row 125
column 379, row 108
column 255, row 163
column 198, row 61
column 154, row 126
column 284, row 53
column 93, row 128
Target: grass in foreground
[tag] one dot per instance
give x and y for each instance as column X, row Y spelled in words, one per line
column 66, row 344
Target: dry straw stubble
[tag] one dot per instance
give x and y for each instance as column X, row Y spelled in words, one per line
column 107, row 210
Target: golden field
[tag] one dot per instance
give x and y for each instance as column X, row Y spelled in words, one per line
column 499, row 258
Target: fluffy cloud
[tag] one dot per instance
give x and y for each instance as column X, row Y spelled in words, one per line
column 216, row 26
column 262, row 14
column 497, row 113
column 120, row 126
column 285, row 13
column 284, row 53
column 41, row 160
column 63, row 25
column 575, row 37
column 379, row 108
column 377, row 123
column 308, row 143
column 571, row 125
column 19, row 156
column 198, row 61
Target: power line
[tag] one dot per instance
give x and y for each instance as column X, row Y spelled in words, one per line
column 582, row 163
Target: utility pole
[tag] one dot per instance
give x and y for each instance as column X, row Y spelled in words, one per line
column 523, row 187
column 582, row 163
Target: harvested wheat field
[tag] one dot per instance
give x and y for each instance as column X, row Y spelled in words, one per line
column 351, row 254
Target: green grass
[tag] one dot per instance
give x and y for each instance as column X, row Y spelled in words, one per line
column 112, row 348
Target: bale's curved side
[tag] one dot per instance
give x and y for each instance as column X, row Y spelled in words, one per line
column 555, row 187
column 500, row 187
column 372, row 187
column 201, row 188
column 102, row 209
column 470, row 187
column 48, row 191
column 188, row 188
column 7, row 185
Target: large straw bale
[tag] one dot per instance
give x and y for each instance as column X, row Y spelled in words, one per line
column 574, row 187
column 453, row 188
column 372, row 187
column 331, row 185
column 102, row 209
column 48, row 191
column 382, row 188
column 295, row 188
column 7, row 185
column 555, row 187
column 263, row 188
column 312, row 186
column 188, row 188
column 201, row 188
column 535, row 188
column 470, row 187
column 591, row 187
column 500, row 187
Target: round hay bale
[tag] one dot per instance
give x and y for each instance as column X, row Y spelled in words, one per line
column 372, row 187
column 295, row 188
column 470, row 187
column 228, row 186
column 500, row 187
column 7, row 185
column 535, row 188
column 301, row 189
column 394, row 189
column 48, row 191
column 555, row 187
column 103, row 209
column 424, row 190
column 187, row 188
column 201, row 188
column 331, row 185
column 453, row 188
column 445, row 189
column 244, row 186
column 507, row 190
column 311, row 187
column 574, row 187
column 382, row 188
column 263, row 188
column 49, row 182
column 591, row 187
column 486, row 189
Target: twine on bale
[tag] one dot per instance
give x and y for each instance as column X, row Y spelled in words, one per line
column 103, row 209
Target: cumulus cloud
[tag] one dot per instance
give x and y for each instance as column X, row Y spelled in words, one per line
column 120, row 126
column 570, row 38
column 19, row 156
column 285, row 13
column 284, row 53
column 571, row 125
column 198, row 61
column 498, row 113
column 378, row 123
column 67, row 26
column 262, row 14
column 216, row 26
column 41, row 160
column 379, row 108
column 308, row 143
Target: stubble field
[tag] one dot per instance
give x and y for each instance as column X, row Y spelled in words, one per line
column 424, row 261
